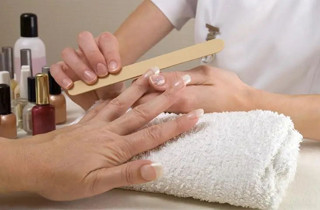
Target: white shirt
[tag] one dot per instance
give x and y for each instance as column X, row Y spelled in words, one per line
column 272, row 45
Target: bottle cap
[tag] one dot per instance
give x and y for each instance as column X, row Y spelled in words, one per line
column 4, row 78
column 25, row 73
column 2, row 62
column 8, row 58
column 45, row 70
column 26, row 58
column 55, row 89
column 31, row 89
column 42, row 89
column 29, row 25
column 5, row 101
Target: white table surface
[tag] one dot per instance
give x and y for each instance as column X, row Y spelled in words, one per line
column 303, row 192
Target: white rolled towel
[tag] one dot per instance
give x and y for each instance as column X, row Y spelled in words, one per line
column 242, row 158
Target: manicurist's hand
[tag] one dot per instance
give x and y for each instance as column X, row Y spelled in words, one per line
column 94, row 155
column 95, row 58
column 212, row 89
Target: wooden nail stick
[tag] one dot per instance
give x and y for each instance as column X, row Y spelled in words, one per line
column 163, row 61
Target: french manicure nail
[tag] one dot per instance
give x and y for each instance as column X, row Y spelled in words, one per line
column 155, row 69
column 113, row 66
column 152, row 71
column 157, row 80
column 102, row 69
column 196, row 113
column 186, row 79
column 67, row 83
column 152, row 171
column 89, row 76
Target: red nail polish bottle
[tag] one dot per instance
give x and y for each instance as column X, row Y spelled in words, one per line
column 43, row 113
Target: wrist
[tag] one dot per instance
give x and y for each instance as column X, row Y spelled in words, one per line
column 268, row 101
column 14, row 167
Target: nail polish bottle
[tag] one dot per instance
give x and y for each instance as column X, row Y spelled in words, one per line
column 43, row 113
column 29, row 39
column 9, row 66
column 8, row 127
column 27, row 114
column 45, row 70
column 22, row 101
column 4, row 75
column 57, row 100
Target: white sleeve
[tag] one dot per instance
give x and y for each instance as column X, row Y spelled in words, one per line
column 177, row 11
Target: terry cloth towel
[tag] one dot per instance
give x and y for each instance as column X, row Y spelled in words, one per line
column 242, row 158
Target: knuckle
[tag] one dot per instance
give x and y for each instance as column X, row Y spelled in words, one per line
column 66, row 51
column 116, row 102
column 84, row 35
column 154, row 133
column 127, row 175
column 179, row 125
column 54, row 69
column 141, row 113
column 140, row 85
column 175, row 76
column 107, row 36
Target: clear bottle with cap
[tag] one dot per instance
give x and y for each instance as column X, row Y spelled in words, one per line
column 29, row 40
column 9, row 66
column 27, row 115
column 8, row 127
column 22, row 101
column 58, row 100
column 43, row 113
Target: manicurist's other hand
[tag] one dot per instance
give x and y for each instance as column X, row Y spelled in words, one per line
column 94, row 155
column 213, row 89
column 95, row 58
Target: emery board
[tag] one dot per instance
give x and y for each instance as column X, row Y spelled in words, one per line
column 163, row 61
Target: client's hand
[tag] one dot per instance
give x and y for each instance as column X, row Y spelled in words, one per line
column 212, row 89
column 94, row 155
column 96, row 57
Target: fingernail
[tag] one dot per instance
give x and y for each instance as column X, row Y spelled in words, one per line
column 186, row 79
column 152, row 171
column 102, row 69
column 67, row 83
column 113, row 66
column 152, row 71
column 196, row 113
column 157, row 80
column 89, row 76
column 155, row 69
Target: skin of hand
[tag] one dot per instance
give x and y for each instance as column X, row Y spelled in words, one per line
column 213, row 89
column 94, row 155
column 217, row 90
column 106, row 54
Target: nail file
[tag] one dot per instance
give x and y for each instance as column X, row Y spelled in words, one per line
column 163, row 61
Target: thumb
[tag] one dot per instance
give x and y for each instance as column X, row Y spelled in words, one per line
column 134, row 172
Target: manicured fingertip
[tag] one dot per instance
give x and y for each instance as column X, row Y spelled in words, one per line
column 113, row 66
column 186, row 79
column 67, row 84
column 151, row 71
column 151, row 171
column 102, row 70
column 157, row 80
column 89, row 77
column 195, row 114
